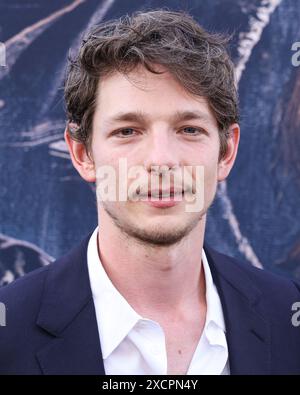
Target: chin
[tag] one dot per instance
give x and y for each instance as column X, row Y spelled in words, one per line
column 154, row 230
column 158, row 237
column 164, row 232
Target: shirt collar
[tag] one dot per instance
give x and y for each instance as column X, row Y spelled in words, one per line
column 116, row 318
column 214, row 312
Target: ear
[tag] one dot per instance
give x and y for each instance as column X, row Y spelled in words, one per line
column 227, row 162
column 82, row 162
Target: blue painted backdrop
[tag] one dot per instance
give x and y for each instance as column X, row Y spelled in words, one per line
column 45, row 208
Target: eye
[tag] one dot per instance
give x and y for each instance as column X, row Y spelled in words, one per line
column 125, row 132
column 192, row 131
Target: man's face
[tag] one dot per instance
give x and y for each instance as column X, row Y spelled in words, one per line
column 157, row 139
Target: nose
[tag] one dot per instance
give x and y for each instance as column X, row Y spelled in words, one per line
column 161, row 151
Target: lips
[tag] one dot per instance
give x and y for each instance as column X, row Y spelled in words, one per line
column 172, row 193
column 165, row 194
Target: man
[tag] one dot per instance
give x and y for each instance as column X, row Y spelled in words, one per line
column 141, row 295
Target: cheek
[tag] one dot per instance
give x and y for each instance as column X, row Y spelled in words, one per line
column 103, row 156
column 210, row 178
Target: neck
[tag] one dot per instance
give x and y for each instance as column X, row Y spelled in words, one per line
column 154, row 280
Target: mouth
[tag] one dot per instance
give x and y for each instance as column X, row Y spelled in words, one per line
column 163, row 195
column 162, row 198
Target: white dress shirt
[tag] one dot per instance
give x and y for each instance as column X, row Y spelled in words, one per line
column 133, row 345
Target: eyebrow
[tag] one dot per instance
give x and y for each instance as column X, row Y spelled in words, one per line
column 141, row 117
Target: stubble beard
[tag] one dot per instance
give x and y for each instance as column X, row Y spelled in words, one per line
column 156, row 236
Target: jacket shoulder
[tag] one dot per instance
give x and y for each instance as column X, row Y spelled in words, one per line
column 269, row 281
column 21, row 336
column 274, row 287
column 24, row 290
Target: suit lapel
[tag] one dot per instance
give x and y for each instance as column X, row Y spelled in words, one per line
column 247, row 330
column 68, row 316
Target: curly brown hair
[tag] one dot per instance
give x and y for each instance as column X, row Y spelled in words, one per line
column 197, row 59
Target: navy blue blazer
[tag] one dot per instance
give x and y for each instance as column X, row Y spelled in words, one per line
column 51, row 324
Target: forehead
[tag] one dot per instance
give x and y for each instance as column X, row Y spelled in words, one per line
column 141, row 91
